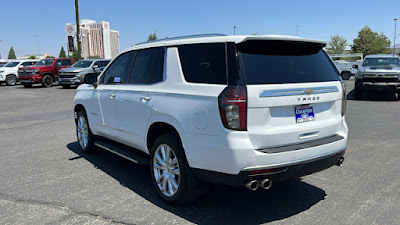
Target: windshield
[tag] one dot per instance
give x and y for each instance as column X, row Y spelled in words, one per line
column 11, row 64
column 381, row 62
column 45, row 62
column 278, row 62
column 82, row 64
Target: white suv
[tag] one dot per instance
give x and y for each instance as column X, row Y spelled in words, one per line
column 9, row 72
column 235, row 110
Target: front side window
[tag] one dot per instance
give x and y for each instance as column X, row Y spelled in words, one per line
column 203, row 63
column 118, row 71
column 278, row 62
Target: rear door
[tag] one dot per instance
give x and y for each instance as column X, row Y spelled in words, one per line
column 294, row 92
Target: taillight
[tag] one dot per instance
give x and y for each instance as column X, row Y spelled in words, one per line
column 344, row 98
column 233, row 107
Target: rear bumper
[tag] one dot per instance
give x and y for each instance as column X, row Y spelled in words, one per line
column 275, row 174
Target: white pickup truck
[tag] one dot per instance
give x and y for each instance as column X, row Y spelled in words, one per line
column 345, row 67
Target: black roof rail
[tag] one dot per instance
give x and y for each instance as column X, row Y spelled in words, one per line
column 182, row 37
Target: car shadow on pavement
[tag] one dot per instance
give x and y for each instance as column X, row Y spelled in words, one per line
column 222, row 204
column 373, row 96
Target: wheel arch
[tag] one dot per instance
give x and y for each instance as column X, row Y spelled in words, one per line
column 77, row 109
column 157, row 129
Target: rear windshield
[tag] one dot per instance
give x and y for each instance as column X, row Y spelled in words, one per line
column 278, row 62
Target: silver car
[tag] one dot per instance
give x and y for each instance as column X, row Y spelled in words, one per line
column 74, row 75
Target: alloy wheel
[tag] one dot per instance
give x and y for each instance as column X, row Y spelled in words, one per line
column 166, row 170
column 83, row 131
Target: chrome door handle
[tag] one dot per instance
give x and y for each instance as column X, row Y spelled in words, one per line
column 112, row 96
column 145, row 98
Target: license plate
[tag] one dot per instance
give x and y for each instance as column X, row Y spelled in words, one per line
column 304, row 113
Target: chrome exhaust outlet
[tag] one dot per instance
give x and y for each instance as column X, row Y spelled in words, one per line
column 340, row 161
column 252, row 185
column 266, row 184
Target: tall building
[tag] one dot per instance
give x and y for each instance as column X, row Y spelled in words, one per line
column 97, row 39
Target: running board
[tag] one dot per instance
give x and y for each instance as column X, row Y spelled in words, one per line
column 122, row 150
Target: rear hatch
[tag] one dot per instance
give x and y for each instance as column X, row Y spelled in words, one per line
column 293, row 90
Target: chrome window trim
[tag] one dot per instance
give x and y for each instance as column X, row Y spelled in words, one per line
column 298, row 91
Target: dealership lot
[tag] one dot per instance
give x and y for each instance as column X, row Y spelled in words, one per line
column 45, row 178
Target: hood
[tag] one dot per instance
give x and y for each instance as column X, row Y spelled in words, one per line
column 75, row 69
column 35, row 67
column 379, row 69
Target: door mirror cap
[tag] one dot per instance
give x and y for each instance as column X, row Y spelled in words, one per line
column 90, row 78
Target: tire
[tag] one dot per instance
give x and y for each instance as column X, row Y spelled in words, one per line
column 346, row 75
column 27, row 85
column 47, row 81
column 83, row 133
column 357, row 93
column 175, row 168
column 65, row 86
column 11, row 80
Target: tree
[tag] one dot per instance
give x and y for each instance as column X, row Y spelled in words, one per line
column 32, row 57
column 49, row 57
column 94, row 57
column 11, row 54
column 336, row 45
column 152, row 37
column 76, row 56
column 369, row 42
column 62, row 53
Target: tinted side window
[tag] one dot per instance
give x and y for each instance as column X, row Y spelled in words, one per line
column 203, row 63
column 98, row 63
column 156, row 74
column 118, row 71
column 66, row 62
column 104, row 63
column 26, row 64
column 141, row 66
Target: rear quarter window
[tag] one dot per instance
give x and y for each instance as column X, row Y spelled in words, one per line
column 203, row 63
column 279, row 62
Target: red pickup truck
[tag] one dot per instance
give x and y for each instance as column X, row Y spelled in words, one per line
column 44, row 72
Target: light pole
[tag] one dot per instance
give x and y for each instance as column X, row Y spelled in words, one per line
column 394, row 41
column 234, row 30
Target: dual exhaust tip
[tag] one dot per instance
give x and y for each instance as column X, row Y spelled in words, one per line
column 255, row 184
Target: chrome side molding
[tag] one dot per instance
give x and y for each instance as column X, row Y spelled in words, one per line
column 298, row 91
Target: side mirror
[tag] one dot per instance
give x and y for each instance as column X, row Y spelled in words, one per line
column 58, row 64
column 95, row 66
column 355, row 66
column 90, row 78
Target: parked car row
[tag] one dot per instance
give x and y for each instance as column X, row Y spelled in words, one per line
column 48, row 71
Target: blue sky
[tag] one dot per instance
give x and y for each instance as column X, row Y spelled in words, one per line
column 22, row 20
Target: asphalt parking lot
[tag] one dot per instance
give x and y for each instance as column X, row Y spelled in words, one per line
column 44, row 178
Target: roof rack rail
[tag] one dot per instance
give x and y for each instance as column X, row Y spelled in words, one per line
column 182, row 37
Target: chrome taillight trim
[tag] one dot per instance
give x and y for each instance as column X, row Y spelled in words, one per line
column 298, row 91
